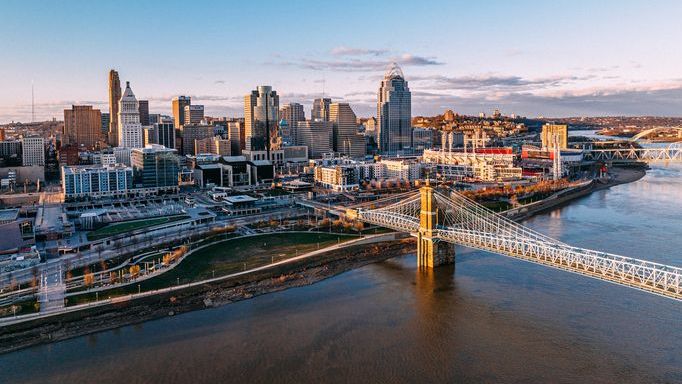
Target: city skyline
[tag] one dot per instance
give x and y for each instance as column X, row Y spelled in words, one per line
column 529, row 58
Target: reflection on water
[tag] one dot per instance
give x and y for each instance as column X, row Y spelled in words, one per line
column 490, row 319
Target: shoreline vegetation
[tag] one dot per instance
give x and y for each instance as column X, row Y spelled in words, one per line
column 280, row 277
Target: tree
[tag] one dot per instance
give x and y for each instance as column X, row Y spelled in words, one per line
column 88, row 279
column 134, row 270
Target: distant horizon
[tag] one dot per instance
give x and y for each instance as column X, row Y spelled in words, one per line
column 564, row 59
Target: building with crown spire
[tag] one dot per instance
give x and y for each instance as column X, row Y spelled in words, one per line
column 394, row 112
column 130, row 134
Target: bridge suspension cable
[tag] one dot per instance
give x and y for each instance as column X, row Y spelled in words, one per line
column 463, row 221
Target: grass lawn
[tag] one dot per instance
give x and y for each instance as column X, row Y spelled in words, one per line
column 228, row 257
column 118, row 228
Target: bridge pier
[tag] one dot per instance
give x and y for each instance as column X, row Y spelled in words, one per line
column 433, row 253
column 430, row 251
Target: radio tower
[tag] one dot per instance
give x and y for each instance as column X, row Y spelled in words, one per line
column 33, row 113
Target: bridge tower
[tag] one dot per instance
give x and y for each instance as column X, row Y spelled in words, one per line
column 430, row 251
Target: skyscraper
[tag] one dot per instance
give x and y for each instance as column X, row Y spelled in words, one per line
column 292, row 113
column 320, row 109
column 346, row 141
column 144, row 112
column 178, row 105
column 82, row 126
column 317, row 135
column 114, row 97
column 106, row 120
column 192, row 133
column 236, row 135
column 394, row 112
column 130, row 133
column 194, row 114
column 164, row 134
column 260, row 120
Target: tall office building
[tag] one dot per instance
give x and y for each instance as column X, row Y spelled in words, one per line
column 130, row 133
column 144, row 112
column 114, row 98
column 82, row 126
column 320, row 109
column 178, row 106
column 215, row 145
column 292, row 113
column 261, row 108
column 194, row 114
column 32, row 151
column 164, row 134
column 155, row 166
column 346, row 139
column 394, row 112
column 236, row 135
column 193, row 132
column 106, row 120
column 317, row 136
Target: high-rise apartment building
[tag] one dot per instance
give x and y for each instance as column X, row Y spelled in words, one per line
column 130, row 134
column 178, row 106
column 394, row 112
column 292, row 113
column 552, row 133
column 317, row 136
column 144, row 112
column 96, row 181
column 194, row 114
column 32, row 151
column 114, row 98
column 261, row 108
column 320, row 109
column 346, row 139
column 82, row 126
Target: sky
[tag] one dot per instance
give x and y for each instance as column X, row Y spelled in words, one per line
column 532, row 58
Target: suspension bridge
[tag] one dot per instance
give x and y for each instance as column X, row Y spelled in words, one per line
column 440, row 220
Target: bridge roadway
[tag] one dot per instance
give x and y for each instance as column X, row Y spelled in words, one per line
column 469, row 224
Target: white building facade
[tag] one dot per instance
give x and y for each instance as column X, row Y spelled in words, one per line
column 130, row 133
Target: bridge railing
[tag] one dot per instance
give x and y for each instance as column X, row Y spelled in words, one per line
column 652, row 277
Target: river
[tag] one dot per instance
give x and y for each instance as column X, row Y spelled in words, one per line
column 490, row 319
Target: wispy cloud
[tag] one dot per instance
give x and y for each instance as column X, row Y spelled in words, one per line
column 492, row 82
column 350, row 51
column 358, row 63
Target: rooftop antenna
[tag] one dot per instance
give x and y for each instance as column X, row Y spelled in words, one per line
column 33, row 113
column 323, row 84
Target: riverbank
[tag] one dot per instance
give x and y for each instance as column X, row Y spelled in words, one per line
column 124, row 312
column 617, row 176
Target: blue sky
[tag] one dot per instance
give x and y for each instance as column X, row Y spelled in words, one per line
column 559, row 58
